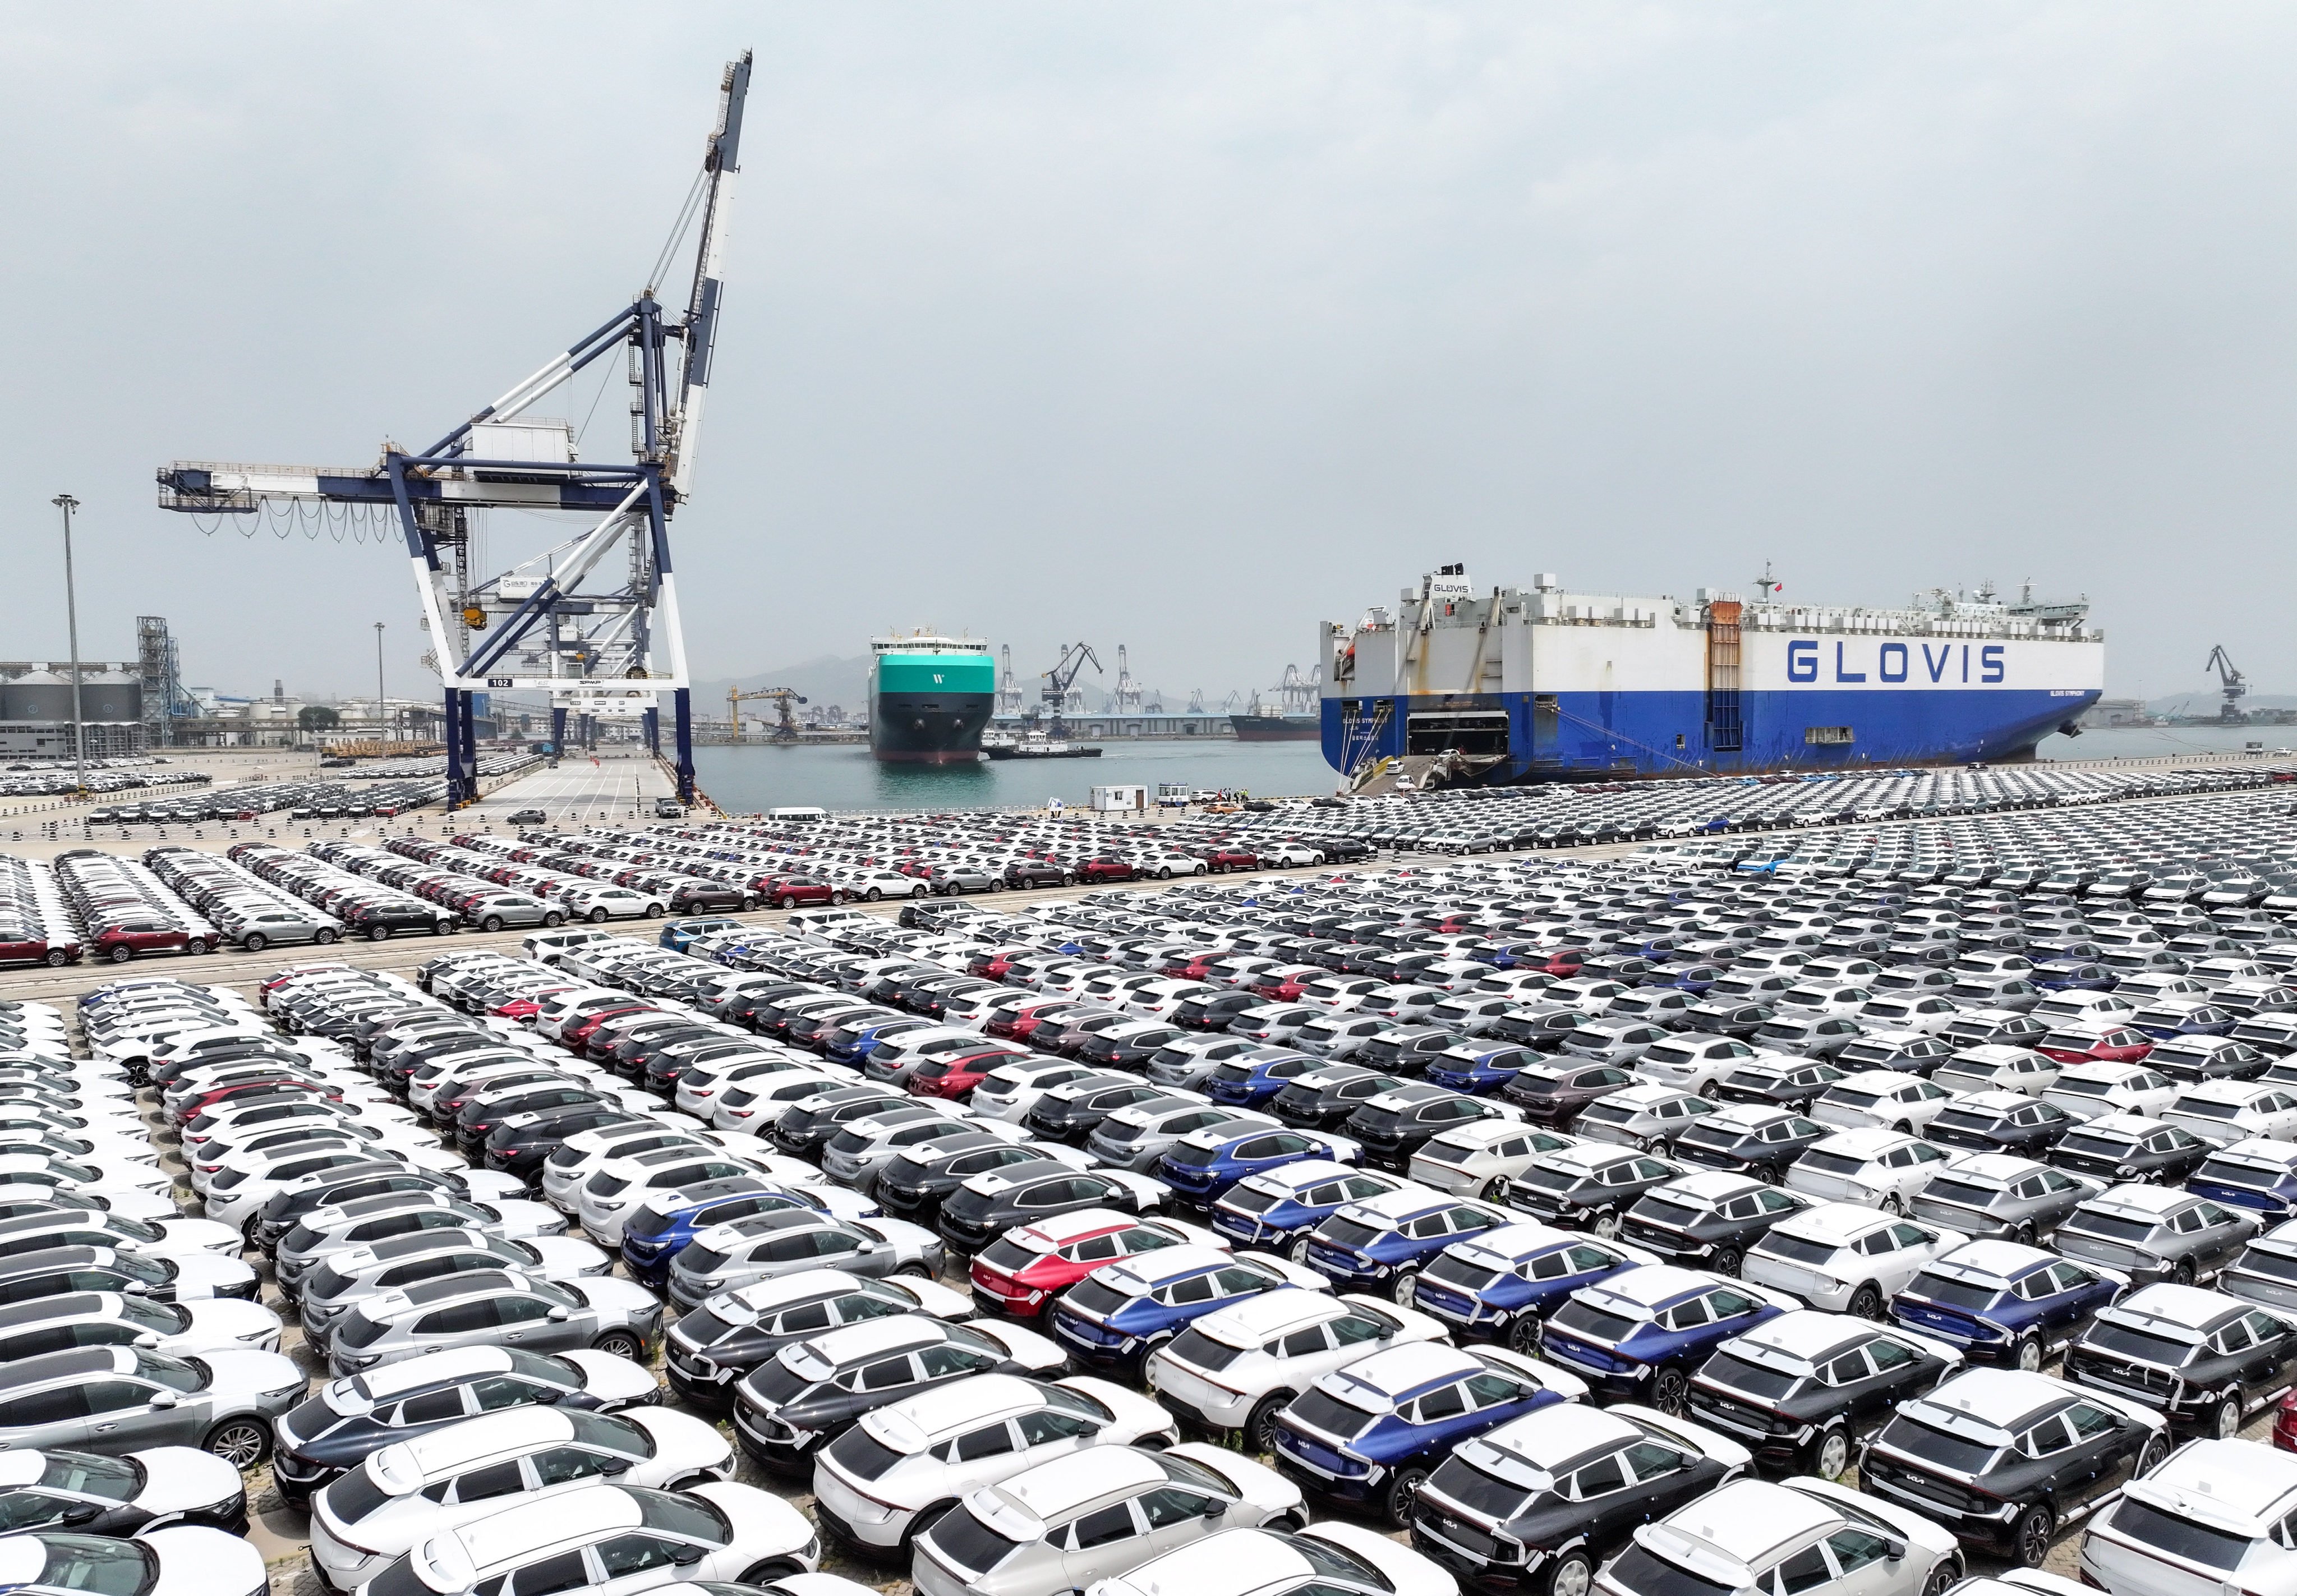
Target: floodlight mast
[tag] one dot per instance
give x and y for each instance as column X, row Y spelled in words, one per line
column 611, row 650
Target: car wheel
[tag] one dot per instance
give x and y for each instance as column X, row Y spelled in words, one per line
column 378, row 933
column 1260, row 1425
column 1669, row 1387
column 2151, row 1458
column 1299, row 1251
column 1944, row 1577
column 495, row 923
column 1401, row 1292
column 242, row 1443
column 195, row 946
column 789, row 902
column 781, row 1567
column 2182, row 1274
column 654, row 912
column 597, row 917
column 1829, row 1455
column 1285, row 1523
column 916, row 892
column 1573, row 1575
column 1707, row 1090
column 1523, row 1332
column 997, row 885
column 621, row 1344
column 2030, row 1353
column 1494, row 1189
column 1165, row 873
column 254, row 942
column 553, row 921
column 324, row 937
column 1605, row 1226
column 916, row 1272
column 56, row 959
column 1403, row 1494
column 1726, row 1262
column 1866, row 1301
column 2224, row 1419
column 2030, row 1540
column 1892, row 1203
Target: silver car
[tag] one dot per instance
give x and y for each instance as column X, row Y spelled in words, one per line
column 347, row 1279
column 486, row 1308
column 859, row 1153
column 1999, row 1196
column 729, row 1257
column 1135, row 1137
column 327, row 1232
column 113, row 1400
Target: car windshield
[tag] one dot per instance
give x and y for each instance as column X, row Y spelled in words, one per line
column 1934, row 1445
column 1754, row 1379
column 1193, row 1346
column 1090, row 1296
column 1594, row 1322
column 1953, row 1292
column 1946, row 1189
column 970, row 1544
column 1319, row 1409
column 1452, row 1270
column 1639, row 1571
column 2150, row 1525
column 355, row 1495
column 2137, row 1344
column 1795, row 1248
column 2112, row 1224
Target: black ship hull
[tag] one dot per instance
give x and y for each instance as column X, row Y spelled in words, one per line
column 928, row 729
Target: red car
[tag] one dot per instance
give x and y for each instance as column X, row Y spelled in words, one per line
column 1195, row 967
column 956, row 1074
column 38, row 950
column 526, row 1007
column 1019, row 1023
column 1018, row 1274
column 2285, row 1423
column 1218, row 860
column 1285, row 984
column 2107, row 1043
column 1103, row 868
column 198, row 1102
column 578, row 1037
column 124, row 940
column 788, row 892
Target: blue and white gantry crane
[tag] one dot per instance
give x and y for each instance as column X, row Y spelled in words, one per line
column 594, row 621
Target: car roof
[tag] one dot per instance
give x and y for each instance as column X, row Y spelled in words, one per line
column 919, row 1421
column 1053, row 1490
column 1136, row 1276
column 408, row 1465
column 76, row 1363
column 2000, row 1399
column 2233, row 1482
column 1503, row 1247
column 1390, row 1207
column 1394, row 1375
column 1305, row 1171
column 431, row 1368
column 1838, row 1223
column 1557, row 1435
column 1747, row 1522
column 513, row 1534
column 1808, row 1334
column 872, row 1337
column 1270, row 1313
column 1709, row 1186
column 2169, row 1309
column 1083, row 1225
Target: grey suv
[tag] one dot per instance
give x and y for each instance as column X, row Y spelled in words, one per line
column 118, row 1399
column 727, row 1256
column 2150, row 1233
column 498, row 1309
column 1999, row 1196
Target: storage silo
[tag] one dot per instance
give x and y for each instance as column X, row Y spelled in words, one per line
column 106, row 695
column 40, row 696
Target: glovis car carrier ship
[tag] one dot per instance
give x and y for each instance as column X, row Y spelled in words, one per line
column 930, row 698
column 1513, row 684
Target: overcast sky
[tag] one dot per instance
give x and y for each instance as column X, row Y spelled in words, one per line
column 1183, row 326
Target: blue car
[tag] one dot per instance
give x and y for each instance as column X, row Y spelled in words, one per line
column 858, row 1047
column 1280, row 1208
column 2260, row 1174
column 1250, row 1081
column 668, row 1219
column 1503, row 1285
column 2003, row 1303
column 1480, row 1067
column 677, row 934
column 2074, row 974
column 1369, row 1435
column 1382, row 1243
column 2201, row 1019
column 1692, row 978
column 1117, row 1315
column 1638, row 1335
column 1202, row 1165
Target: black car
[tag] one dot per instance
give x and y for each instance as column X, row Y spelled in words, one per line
column 715, row 1345
column 700, row 897
column 320, row 1438
column 520, row 1149
column 1393, row 1126
column 2004, row 1458
column 1213, row 1013
column 1750, row 1140
column 1589, row 1186
column 1131, row 1051
column 2205, row 1361
column 807, row 1394
column 91, row 1495
column 2000, row 1122
column 1538, row 1504
column 1544, row 1027
column 915, row 1184
column 803, row 1132
column 1803, row 1391
column 1321, row 1100
column 1778, row 1082
column 2130, row 1147
column 1406, row 1049
column 377, row 922
column 477, row 1120
column 986, row 1205
column 1071, row 1113
column 1708, row 1220
column 1035, row 872
column 1909, row 1055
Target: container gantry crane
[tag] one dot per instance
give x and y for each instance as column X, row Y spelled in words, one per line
column 612, row 649
column 1125, row 699
column 786, row 722
column 2232, row 684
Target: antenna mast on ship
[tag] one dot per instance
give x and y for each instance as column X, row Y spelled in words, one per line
column 1768, row 584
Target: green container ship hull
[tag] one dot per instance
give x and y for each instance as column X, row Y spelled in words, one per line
column 930, row 708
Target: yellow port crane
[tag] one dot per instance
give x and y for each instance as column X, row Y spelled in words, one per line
column 784, row 727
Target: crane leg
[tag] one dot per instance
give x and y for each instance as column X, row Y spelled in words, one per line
column 558, row 732
column 682, row 729
column 650, row 729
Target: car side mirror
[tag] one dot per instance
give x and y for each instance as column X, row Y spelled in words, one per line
column 163, row 1399
column 560, row 1315
column 868, row 1247
column 616, row 1465
column 1894, row 1549
column 685, row 1556
column 147, row 1340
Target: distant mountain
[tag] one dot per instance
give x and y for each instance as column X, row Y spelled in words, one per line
column 2205, row 702
column 822, row 681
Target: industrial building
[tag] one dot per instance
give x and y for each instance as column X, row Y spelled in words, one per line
column 36, row 708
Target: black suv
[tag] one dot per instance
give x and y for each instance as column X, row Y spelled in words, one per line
column 2205, row 1359
column 1708, row 1220
column 1805, row 1389
column 1393, row 1126
column 987, row 1206
column 1321, row 1100
column 915, row 1184
column 1749, row 1141
column 2003, row 1458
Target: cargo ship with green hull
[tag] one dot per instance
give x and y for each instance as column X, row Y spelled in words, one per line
column 930, row 698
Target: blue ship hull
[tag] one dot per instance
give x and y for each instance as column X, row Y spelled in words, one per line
column 1667, row 734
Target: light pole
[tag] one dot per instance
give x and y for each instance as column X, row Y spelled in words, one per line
column 67, row 503
column 383, row 725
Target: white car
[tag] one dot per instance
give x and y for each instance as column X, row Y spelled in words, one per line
column 1237, row 1369
column 1845, row 1258
column 748, row 1102
column 718, row 1530
column 1998, row 1067
column 182, row 1560
column 1871, row 1167
column 1255, row 1562
column 2211, row 1517
column 1290, row 855
column 1924, row 1014
column 2095, row 1090
column 605, row 1202
column 1011, row 1091
column 946, row 1443
column 35, row 1174
column 1032, row 1516
column 410, row 1491
column 577, row 1158
column 1752, row 1534
column 1691, row 1062
column 1480, row 1157
column 1893, row 1098
column 2224, row 1112
column 600, row 903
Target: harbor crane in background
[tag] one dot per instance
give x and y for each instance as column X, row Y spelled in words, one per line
column 2232, row 684
column 1059, row 682
column 612, row 649
column 1125, row 699
column 786, row 721
column 1009, row 692
column 1299, row 695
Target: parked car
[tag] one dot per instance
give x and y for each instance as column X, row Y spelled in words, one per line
column 1234, row 1370
column 1998, row 1196
column 1639, row 1335
column 1502, row 1285
column 1708, row 1220
column 1116, row 1317
column 2006, row 1303
column 2149, row 1233
column 1804, row 1535
column 118, row 1400
column 711, row 1348
column 2214, row 1505
column 2204, row 1360
column 1806, row 1389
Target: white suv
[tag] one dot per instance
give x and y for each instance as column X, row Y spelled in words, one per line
column 1237, row 1369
